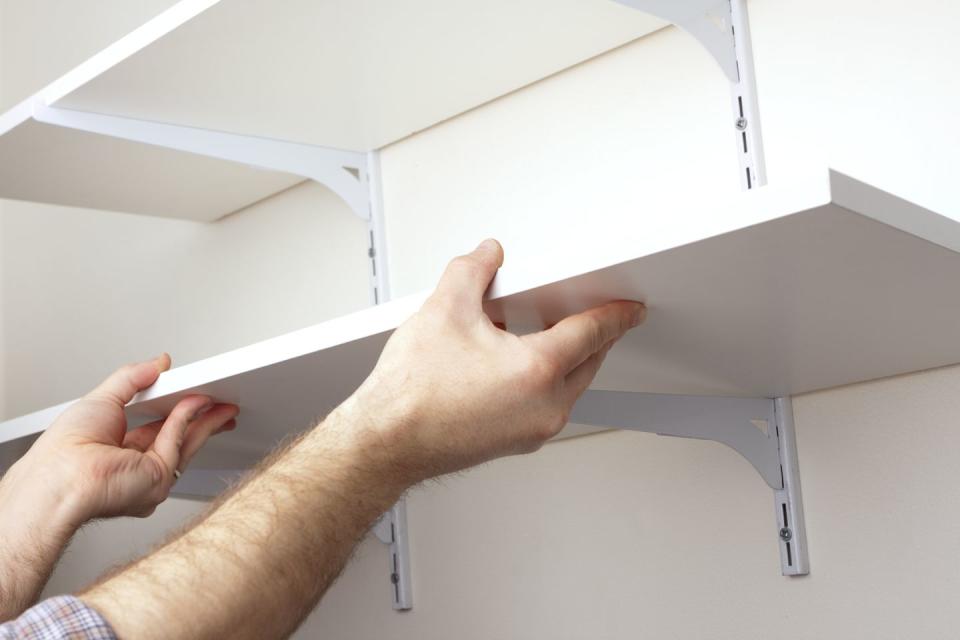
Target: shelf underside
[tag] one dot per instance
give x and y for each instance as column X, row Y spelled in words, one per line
column 339, row 74
column 56, row 165
column 813, row 291
column 351, row 74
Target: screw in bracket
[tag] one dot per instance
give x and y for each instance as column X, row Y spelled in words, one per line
column 741, row 124
column 786, row 535
column 395, row 578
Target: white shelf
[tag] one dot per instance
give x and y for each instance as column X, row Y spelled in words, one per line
column 769, row 293
column 339, row 74
column 350, row 74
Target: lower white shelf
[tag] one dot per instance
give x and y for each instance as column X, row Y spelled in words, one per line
column 771, row 293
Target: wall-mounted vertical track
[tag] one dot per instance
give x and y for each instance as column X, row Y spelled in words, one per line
column 722, row 27
column 788, row 500
column 376, row 229
column 391, row 528
column 746, row 106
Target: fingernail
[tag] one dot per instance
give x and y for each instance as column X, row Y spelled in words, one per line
column 638, row 315
column 201, row 409
column 162, row 361
column 488, row 245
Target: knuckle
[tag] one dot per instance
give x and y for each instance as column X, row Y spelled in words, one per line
column 124, row 372
column 537, row 370
column 548, row 427
column 435, row 310
column 146, row 512
column 595, row 332
column 556, row 422
column 467, row 265
column 534, row 445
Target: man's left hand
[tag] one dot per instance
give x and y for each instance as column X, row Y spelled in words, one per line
column 100, row 468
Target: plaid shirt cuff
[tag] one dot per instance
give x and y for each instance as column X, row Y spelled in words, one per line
column 56, row 619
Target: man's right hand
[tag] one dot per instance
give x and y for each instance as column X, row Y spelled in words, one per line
column 452, row 390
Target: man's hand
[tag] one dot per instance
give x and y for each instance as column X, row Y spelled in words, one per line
column 452, row 390
column 111, row 471
column 87, row 465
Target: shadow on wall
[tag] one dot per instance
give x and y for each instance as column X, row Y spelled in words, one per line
column 10, row 452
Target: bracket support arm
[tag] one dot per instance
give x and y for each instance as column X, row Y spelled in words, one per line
column 343, row 172
column 759, row 429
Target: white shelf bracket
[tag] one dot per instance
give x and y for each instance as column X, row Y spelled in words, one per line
column 391, row 528
column 759, row 429
column 371, row 180
column 722, row 27
column 340, row 171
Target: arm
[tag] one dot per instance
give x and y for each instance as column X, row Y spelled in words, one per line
column 85, row 466
column 451, row 390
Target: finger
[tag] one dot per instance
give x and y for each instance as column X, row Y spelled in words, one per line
column 125, row 382
column 217, row 419
column 580, row 378
column 467, row 277
column 574, row 339
column 170, row 439
column 142, row 437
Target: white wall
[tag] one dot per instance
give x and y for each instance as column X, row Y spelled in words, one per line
column 614, row 535
column 94, row 289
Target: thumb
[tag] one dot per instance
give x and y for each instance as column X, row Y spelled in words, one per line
column 125, row 382
column 467, row 277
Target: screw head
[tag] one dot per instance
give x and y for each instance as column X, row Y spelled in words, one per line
column 786, row 535
column 741, row 124
column 394, row 578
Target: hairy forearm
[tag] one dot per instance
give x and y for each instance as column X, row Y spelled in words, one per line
column 35, row 527
column 259, row 562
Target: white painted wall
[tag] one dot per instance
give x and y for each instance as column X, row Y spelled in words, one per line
column 105, row 288
column 614, row 535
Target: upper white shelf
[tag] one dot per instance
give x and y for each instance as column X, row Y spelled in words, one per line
column 347, row 74
column 354, row 75
column 767, row 293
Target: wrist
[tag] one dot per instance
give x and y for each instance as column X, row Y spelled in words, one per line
column 365, row 430
column 44, row 495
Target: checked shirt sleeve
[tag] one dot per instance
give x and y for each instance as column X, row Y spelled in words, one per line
column 63, row 617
